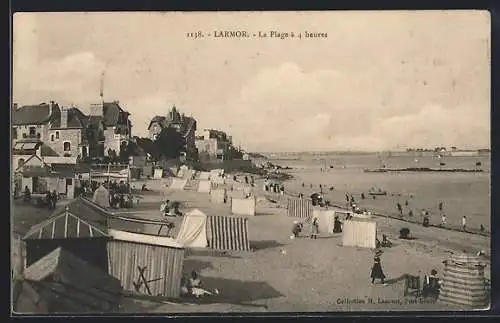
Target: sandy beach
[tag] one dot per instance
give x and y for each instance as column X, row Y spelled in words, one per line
column 302, row 274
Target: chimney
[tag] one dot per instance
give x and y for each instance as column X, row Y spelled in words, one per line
column 64, row 118
column 96, row 110
column 51, row 108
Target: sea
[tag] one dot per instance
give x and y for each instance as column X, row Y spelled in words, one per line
column 460, row 193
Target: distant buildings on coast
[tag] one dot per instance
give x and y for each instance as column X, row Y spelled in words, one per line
column 436, row 152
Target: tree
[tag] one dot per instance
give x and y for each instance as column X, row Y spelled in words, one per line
column 170, row 143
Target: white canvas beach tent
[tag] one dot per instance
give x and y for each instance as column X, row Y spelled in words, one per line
column 101, row 196
column 158, row 173
column 204, row 187
column 204, row 176
column 359, row 233
column 178, row 183
column 218, row 195
column 216, row 232
column 326, row 220
column 243, row 206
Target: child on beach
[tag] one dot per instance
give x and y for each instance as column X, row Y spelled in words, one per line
column 377, row 272
column 314, row 229
column 297, row 228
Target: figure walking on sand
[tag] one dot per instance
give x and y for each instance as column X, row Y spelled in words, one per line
column 314, row 229
column 377, row 272
column 464, row 223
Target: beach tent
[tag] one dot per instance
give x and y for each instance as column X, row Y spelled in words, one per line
column 147, row 264
column 157, row 173
column 101, row 196
column 464, row 282
column 182, row 171
column 218, row 195
column 193, row 231
column 215, row 232
column 218, row 180
column 245, row 206
column 326, row 220
column 359, row 233
column 204, row 187
column 205, row 176
column 299, row 208
column 178, row 183
column 242, row 187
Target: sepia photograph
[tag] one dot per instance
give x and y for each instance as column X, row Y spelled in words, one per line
column 260, row 161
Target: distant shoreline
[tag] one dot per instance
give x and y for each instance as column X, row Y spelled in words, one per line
column 423, row 169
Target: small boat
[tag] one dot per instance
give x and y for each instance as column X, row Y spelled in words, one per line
column 377, row 191
column 442, row 164
column 478, row 164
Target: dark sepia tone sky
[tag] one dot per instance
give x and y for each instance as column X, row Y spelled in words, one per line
column 381, row 80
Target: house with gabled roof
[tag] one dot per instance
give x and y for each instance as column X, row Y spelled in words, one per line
column 115, row 124
column 64, row 130
column 185, row 125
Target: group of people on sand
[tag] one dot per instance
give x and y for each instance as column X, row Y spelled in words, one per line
column 431, row 285
column 274, row 187
column 298, row 227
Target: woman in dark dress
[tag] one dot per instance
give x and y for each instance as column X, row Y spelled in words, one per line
column 377, row 272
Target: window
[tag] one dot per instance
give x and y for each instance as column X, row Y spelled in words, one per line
column 32, row 131
column 52, row 137
column 20, row 162
column 25, row 135
column 57, row 134
column 14, row 133
column 84, row 151
column 38, row 135
column 67, row 146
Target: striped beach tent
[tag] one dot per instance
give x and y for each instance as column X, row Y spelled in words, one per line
column 216, row 232
column 228, row 233
column 299, row 208
column 464, row 282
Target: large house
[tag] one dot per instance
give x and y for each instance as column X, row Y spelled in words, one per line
column 215, row 143
column 109, row 120
column 63, row 130
column 182, row 123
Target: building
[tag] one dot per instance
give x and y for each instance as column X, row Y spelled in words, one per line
column 110, row 121
column 62, row 130
column 217, row 144
column 182, row 123
column 33, row 121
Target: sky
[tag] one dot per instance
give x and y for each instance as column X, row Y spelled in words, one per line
column 378, row 81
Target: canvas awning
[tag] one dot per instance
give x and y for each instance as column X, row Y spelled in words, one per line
column 25, row 146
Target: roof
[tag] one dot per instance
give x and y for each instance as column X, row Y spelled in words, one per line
column 76, row 119
column 94, row 120
column 23, row 146
column 144, row 239
column 158, row 119
column 35, row 171
column 23, row 166
column 66, row 225
column 32, row 114
column 47, row 151
column 111, row 113
column 64, row 170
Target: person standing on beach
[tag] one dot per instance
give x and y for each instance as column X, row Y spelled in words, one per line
column 314, row 229
column 400, row 209
column 443, row 220
column 440, row 206
column 464, row 223
column 377, row 272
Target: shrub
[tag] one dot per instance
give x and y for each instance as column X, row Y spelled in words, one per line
column 404, row 233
